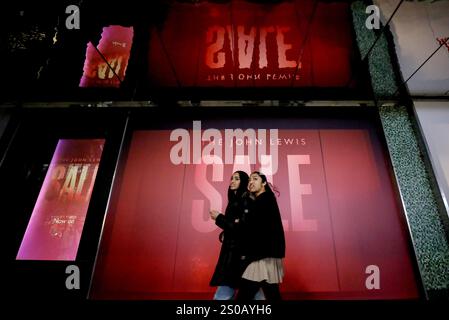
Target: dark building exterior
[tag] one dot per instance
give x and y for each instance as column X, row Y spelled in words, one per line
column 119, row 134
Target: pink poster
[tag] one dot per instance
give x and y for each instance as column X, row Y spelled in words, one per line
column 57, row 220
column 114, row 47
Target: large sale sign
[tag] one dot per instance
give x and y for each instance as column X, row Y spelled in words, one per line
column 239, row 43
column 344, row 233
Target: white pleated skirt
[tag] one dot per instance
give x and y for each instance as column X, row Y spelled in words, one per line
column 267, row 269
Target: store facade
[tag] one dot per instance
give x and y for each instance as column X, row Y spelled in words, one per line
column 123, row 192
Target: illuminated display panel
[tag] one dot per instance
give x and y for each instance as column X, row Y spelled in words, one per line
column 57, row 220
column 244, row 44
column 340, row 212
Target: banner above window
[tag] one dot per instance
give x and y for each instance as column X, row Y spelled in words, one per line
column 246, row 44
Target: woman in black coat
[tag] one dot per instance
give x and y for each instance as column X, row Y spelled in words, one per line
column 228, row 271
column 263, row 242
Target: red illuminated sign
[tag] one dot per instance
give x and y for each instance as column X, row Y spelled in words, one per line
column 246, row 44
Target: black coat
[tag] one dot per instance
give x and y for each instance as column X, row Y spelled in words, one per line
column 262, row 231
column 229, row 268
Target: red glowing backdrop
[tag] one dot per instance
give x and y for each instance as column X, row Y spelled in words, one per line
column 337, row 202
column 302, row 43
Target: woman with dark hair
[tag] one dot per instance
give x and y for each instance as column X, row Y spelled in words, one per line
column 263, row 242
column 228, row 271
